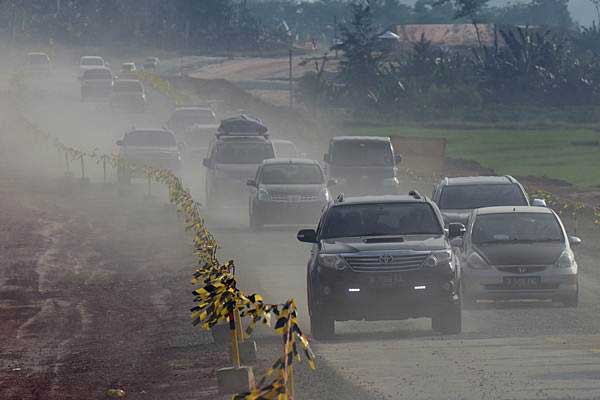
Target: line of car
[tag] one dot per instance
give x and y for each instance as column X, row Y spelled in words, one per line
column 382, row 255
column 376, row 254
column 123, row 91
column 397, row 257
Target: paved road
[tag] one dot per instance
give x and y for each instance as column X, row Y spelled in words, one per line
column 519, row 352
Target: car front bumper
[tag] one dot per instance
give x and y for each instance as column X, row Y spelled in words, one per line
column 347, row 295
column 489, row 284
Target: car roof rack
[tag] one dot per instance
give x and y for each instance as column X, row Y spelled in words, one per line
column 243, row 125
column 416, row 195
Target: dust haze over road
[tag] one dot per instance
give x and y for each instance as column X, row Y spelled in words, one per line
column 518, row 352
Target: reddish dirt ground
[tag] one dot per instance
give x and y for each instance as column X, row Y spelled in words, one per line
column 89, row 302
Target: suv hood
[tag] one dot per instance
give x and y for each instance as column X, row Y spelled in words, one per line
column 521, row 253
column 411, row 242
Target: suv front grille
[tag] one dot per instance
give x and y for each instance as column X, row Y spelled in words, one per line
column 383, row 263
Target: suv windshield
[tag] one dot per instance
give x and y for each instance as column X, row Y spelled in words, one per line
column 150, row 138
column 381, row 220
column 128, row 87
column 464, row 197
column 506, row 227
column 291, row 174
column 243, row 152
column 362, row 153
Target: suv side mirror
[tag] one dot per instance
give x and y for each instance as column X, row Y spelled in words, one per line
column 326, row 157
column 456, row 230
column 539, row 203
column 575, row 241
column 251, row 182
column 397, row 158
column 119, row 142
column 307, row 236
column 206, row 162
column 331, row 182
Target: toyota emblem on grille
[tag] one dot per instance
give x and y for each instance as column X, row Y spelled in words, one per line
column 386, row 259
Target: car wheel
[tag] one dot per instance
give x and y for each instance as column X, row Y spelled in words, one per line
column 571, row 301
column 322, row 326
column 449, row 320
column 255, row 223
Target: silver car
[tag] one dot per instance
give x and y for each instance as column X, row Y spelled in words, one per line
column 287, row 191
column 517, row 253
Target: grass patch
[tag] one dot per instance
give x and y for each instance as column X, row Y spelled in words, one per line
column 521, row 152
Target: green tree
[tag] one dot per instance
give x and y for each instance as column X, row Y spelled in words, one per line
column 465, row 8
column 359, row 66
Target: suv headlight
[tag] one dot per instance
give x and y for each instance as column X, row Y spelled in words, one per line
column 325, row 194
column 438, row 258
column 566, row 259
column 475, row 261
column 332, row 261
column 263, row 195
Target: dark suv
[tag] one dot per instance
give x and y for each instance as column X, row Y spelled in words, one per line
column 383, row 258
column 239, row 147
column 363, row 165
column 457, row 197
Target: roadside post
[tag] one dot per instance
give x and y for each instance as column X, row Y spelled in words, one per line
column 104, row 157
column 288, row 369
column 246, row 348
column 67, row 164
column 239, row 378
column 84, row 180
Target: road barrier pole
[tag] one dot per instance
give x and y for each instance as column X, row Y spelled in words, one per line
column 235, row 349
column 82, row 167
column 68, row 164
column 288, row 369
column 104, row 169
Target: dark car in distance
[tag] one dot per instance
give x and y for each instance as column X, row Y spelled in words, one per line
column 96, row 83
column 148, row 147
column 363, row 165
column 238, row 148
column 287, row 191
column 382, row 258
column 128, row 95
